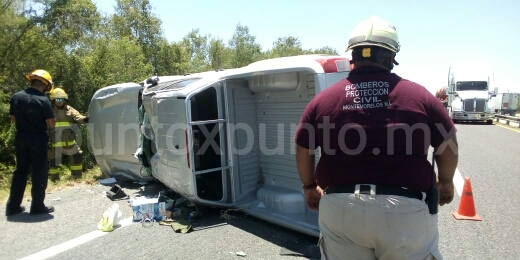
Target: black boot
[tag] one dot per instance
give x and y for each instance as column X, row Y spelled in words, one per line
column 9, row 211
column 44, row 210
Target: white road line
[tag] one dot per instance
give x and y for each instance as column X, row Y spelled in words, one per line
column 458, row 182
column 57, row 249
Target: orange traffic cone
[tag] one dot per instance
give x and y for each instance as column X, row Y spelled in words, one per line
column 467, row 205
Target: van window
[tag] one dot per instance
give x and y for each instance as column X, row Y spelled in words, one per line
column 204, row 105
column 173, row 84
column 204, row 108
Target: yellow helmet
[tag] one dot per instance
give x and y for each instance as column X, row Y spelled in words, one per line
column 41, row 75
column 58, row 93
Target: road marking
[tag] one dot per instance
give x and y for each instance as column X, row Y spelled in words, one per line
column 506, row 127
column 57, row 249
column 458, row 182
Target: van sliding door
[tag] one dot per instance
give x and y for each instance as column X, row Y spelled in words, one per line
column 208, row 156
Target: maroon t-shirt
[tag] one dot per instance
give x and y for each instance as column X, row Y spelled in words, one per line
column 374, row 128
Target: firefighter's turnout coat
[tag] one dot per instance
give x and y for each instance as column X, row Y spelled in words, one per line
column 64, row 141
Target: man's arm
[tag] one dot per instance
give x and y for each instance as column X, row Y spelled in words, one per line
column 77, row 116
column 51, row 122
column 305, row 162
column 13, row 118
column 447, row 157
column 51, row 130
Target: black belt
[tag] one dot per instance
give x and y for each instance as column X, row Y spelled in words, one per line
column 380, row 190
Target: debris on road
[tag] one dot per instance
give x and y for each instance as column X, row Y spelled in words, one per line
column 181, row 226
column 224, row 213
column 116, row 193
column 111, row 217
column 108, row 181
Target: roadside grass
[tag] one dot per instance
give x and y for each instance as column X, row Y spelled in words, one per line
column 90, row 177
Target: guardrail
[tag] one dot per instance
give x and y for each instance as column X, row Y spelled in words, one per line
column 508, row 120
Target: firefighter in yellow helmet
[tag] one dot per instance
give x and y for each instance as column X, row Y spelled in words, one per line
column 65, row 137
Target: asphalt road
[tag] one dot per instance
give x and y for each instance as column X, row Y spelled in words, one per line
column 488, row 155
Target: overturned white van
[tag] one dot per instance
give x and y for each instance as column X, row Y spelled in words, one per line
column 225, row 138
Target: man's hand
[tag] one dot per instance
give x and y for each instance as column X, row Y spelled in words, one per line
column 312, row 197
column 446, row 190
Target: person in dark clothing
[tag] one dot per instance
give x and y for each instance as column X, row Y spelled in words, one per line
column 31, row 111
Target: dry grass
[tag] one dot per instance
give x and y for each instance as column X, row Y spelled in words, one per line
column 90, row 177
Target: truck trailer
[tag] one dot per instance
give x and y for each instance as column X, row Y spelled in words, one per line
column 506, row 103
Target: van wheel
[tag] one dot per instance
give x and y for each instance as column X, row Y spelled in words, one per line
column 489, row 122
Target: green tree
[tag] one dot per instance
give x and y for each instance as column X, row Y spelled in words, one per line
column 112, row 62
column 286, row 46
column 323, row 50
column 219, row 54
column 197, row 46
column 69, row 21
column 6, row 134
column 245, row 49
column 173, row 59
column 135, row 19
column 21, row 41
column 85, row 51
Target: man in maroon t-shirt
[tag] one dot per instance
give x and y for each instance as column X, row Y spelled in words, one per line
column 374, row 130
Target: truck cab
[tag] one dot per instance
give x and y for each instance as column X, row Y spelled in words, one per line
column 469, row 93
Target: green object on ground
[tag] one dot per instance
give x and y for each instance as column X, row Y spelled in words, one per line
column 181, row 226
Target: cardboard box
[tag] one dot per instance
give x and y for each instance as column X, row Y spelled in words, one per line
column 148, row 209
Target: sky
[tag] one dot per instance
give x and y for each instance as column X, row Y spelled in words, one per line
column 433, row 34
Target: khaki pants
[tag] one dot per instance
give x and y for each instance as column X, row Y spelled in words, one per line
column 364, row 226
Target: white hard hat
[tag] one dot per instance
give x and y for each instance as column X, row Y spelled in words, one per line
column 374, row 32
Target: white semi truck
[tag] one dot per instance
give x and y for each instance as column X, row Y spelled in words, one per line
column 506, row 103
column 470, row 97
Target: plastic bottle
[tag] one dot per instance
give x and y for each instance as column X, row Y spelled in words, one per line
column 192, row 216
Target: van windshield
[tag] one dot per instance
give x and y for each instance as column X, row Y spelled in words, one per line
column 471, row 85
